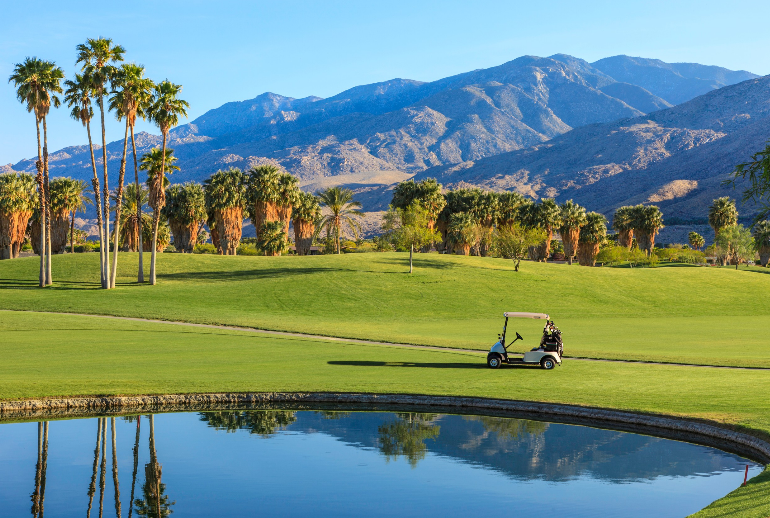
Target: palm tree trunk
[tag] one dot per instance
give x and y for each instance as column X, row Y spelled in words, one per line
column 118, row 206
column 48, row 251
column 38, row 471
column 156, row 218
column 140, row 277
column 115, row 481
column 98, row 202
column 136, row 466
column 41, row 192
column 103, row 471
column 106, row 195
column 337, row 234
column 92, row 487
column 72, row 232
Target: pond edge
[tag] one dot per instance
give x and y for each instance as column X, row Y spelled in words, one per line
column 684, row 429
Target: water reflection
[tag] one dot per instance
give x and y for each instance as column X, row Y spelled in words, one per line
column 317, row 459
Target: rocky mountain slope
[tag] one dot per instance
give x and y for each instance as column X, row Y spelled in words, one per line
column 460, row 128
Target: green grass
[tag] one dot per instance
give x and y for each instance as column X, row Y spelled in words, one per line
column 62, row 355
column 713, row 316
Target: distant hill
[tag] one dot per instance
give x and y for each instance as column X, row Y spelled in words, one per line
column 476, row 125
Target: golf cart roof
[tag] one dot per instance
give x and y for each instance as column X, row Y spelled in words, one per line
column 514, row 314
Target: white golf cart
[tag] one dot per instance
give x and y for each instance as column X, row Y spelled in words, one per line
column 547, row 355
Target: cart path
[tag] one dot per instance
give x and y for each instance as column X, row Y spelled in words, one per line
column 364, row 342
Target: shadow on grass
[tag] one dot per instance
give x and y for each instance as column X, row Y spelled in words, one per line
column 17, row 284
column 261, row 273
column 429, row 365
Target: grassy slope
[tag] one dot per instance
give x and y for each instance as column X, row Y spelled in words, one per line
column 671, row 314
column 56, row 355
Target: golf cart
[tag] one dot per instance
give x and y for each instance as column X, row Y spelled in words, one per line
column 547, row 355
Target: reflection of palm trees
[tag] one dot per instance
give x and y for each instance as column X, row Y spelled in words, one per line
column 115, row 469
column 407, row 435
column 264, row 423
column 92, row 487
column 155, row 503
column 136, row 465
column 38, row 497
column 103, row 471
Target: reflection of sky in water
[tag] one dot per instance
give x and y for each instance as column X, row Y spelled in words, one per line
column 313, row 464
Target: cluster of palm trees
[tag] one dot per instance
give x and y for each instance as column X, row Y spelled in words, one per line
column 640, row 222
column 129, row 95
column 733, row 243
column 470, row 219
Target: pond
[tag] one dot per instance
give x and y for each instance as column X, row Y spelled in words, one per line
column 308, row 462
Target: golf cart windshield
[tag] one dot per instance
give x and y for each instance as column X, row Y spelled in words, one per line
column 538, row 316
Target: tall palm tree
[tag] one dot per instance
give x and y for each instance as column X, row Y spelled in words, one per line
column 573, row 216
column 592, row 235
column 37, row 82
column 508, row 208
column 156, row 163
column 623, row 223
column 98, row 57
column 761, row 233
column 342, row 211
column 226, row 199
column 17, row 201
column 131, row 95
column 486, row 212
column 307, row 212
column 78, row 97
column 164, row 110
column 459, row 200
column 647, row 221
column 186, row 212
column 264, row 194
column 67, row 197
column 722, row 214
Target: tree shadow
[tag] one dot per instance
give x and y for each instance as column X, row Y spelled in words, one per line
column 419, row 262
column 17, row 284
column 429, row 365
column 218, row 275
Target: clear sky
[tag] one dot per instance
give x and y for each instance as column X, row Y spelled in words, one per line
column 229, row 51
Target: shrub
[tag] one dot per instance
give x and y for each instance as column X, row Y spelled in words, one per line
column 84, row 248
column 205, row 248
column 245, row 249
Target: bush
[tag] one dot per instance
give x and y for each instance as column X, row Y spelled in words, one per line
column 246, row 249
column 84, row 248
column 205, row 248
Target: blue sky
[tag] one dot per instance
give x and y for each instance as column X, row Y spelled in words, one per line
column 227, row 51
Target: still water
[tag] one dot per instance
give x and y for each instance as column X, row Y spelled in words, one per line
column 302, row 463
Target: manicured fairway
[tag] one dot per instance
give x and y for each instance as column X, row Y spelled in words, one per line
column 669, row 314
column 45, row 355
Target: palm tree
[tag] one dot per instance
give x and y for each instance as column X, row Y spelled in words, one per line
column 508, row 208
column 78, row 97
column 647, row 221
column 427, row 193
column 186, row 212
column 722, row 214
column 37, row 82
column 272, row 239
column 155, row 503
column 463, row 232
column 17, row 201
column 459, row 200
column 164, row 110
column 307, row 211
column 573, row 216
column 67, row 197
column 342, row 210
column 136, row 465
column 156, row 163
column 130, row 97
column 288, row 195
column 592, row 236
column 696, row 240
column 545, row 215
column 761, row 235
column 163, row 235
column 623, row 223
column 115, row 466
column 98, row 56
column 130, row 228
column 486, row 213
column 264, row 194
column 226, row 199
column 92, row 487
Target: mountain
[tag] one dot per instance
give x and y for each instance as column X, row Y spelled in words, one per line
column 460, row 127
column 676, row 158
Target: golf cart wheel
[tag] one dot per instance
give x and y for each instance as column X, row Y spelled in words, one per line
column 548, row 363
column 494, row 361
